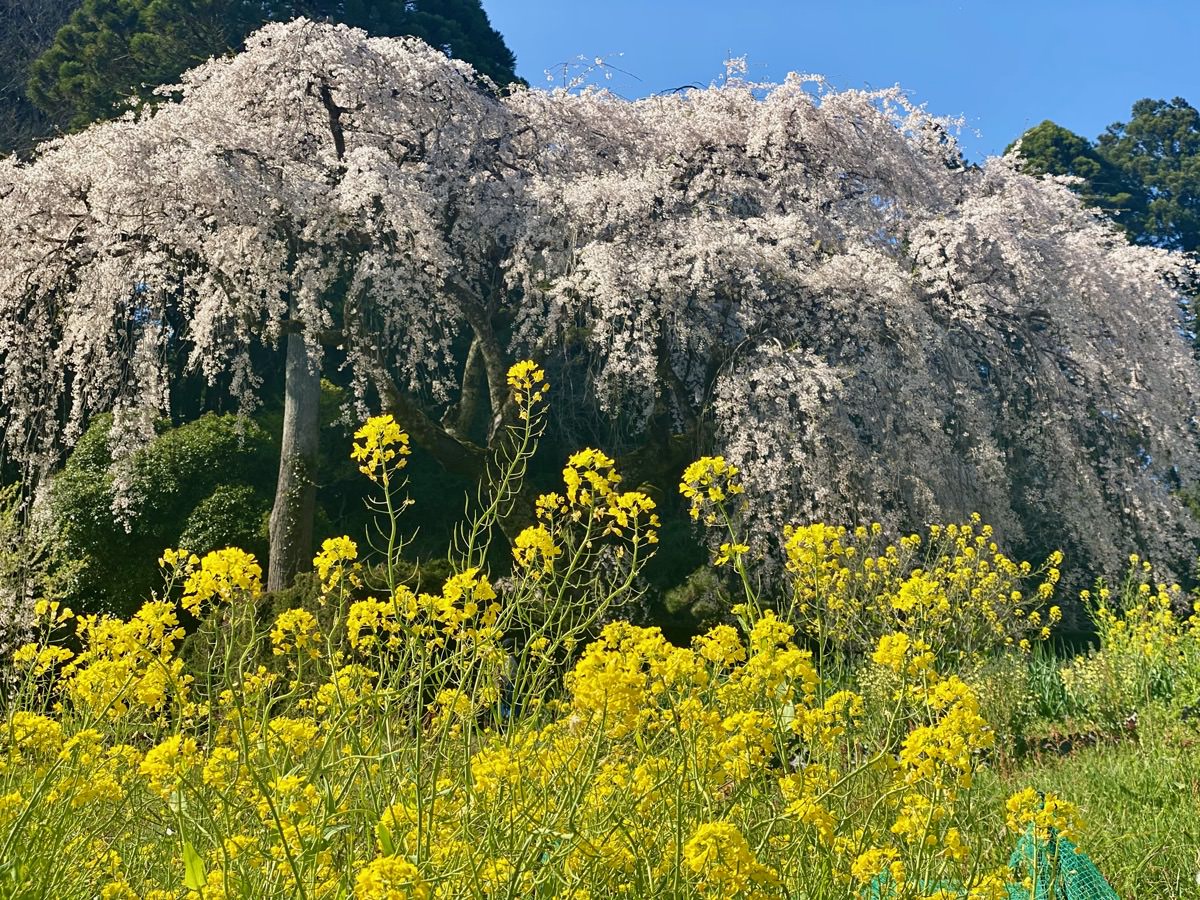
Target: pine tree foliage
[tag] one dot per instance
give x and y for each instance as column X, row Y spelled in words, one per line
column 1145, row 173
column 1050, row 149
column 1160, row 149
column 27, row 27
column 112, row 55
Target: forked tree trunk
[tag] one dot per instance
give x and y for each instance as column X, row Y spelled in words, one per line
column 296, row 491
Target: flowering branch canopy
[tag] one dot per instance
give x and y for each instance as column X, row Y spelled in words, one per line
column 873, row 328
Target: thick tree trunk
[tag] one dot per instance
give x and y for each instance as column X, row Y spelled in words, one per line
column 296, row 492
column 470, row 395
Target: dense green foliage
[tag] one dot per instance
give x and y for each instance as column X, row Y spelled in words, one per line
column 1051, row 149
column 209, row 481
column 1144, row 172
column 113, row 50
column 208, row 484
column 26, row 29
column 1160, row 147
column 460, row 27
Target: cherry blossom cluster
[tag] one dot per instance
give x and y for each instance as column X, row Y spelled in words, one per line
column 811, row 280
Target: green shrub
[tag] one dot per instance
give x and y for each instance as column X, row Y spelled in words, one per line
column 703, row 596
column 211, row 480
column 1149, row 652
column 1008, row 699
column 233, row 515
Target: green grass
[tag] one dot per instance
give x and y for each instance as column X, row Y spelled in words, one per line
column 1140, row 800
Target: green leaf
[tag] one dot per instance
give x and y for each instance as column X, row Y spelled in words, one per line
column 193, row 868
column 385, row 839
column 787, row 715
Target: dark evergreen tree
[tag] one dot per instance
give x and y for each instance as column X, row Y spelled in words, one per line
column 112, row 54
column 1144, row 172
column 459, row 27
column 1159, row 147
column 26, row 29
column 1049, row 148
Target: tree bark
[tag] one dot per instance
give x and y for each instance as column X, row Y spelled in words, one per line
column 469, row 396
column 455, row 454
column 495, row 363
column 296, row 491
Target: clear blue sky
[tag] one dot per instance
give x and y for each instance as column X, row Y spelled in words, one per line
column 1004, row 66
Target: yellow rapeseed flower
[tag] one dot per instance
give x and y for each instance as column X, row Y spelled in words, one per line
column 296, row 629
column 535, row 551
column 390, row 878
column 222, row 576
column 380, row 447
column 528, row 383
column 718, row 854
column 168, row 764
column 336, row 563
column 590, row 478
column 1045, row 813
column 709, row 482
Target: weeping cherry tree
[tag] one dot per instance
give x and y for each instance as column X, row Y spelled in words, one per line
column 809, row 281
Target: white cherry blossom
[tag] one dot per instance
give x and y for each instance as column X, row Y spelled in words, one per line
column 810, row 281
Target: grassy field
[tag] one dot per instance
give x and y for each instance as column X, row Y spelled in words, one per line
column 1139, row 801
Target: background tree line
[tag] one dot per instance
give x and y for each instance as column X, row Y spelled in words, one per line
column 1144, row 173
column 67, row 63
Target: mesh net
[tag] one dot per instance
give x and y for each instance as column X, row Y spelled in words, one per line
column 1043, row 869
column 1057, row 870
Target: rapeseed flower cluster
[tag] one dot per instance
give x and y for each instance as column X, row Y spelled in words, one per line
column 708, row 483
column 535, row 551
column 217, row 578
column 1047, row 814
column 723, row 864
column 509, row 737
column 296, row 630
column 1149, row 650
column 529, row 387
column 953, row 588
column 590, row 478
column 336, row 564
column 380, row 448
